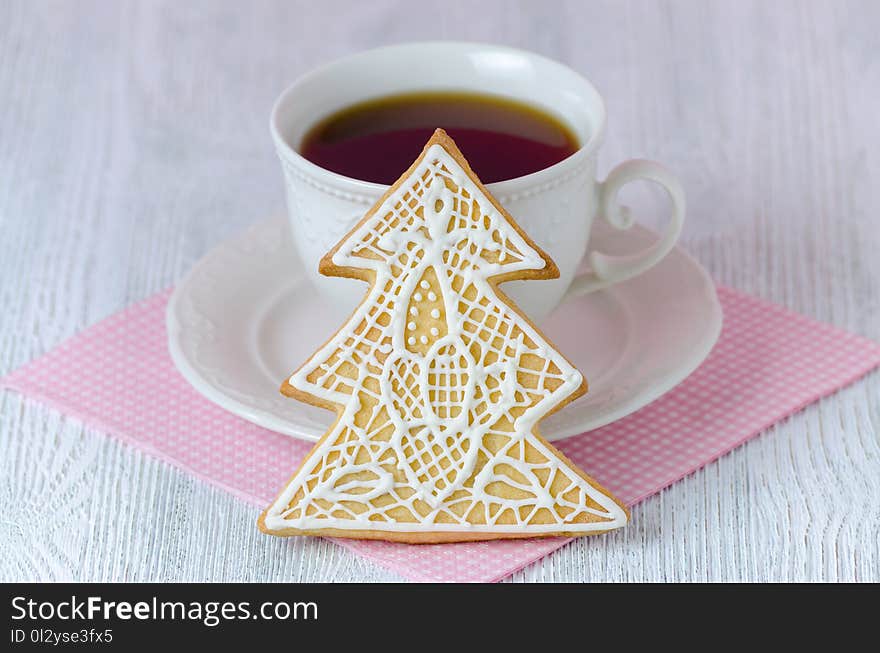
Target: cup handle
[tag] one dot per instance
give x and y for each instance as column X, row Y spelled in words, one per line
column 607, row 270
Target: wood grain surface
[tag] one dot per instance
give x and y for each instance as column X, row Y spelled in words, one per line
column 133, row 138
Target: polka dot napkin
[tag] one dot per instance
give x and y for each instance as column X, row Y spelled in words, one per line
column 768, row 363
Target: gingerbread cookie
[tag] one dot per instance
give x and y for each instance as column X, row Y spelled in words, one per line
column 438, row 381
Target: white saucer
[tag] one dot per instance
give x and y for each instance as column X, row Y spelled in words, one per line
column 246, row 317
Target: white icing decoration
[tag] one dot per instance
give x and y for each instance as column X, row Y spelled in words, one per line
column 423, row 340
column 418, row 296
column 480, row 395
column 435, row 313
column 432, row 297
column 414, row 311
column 411, row 326
column 387, row 242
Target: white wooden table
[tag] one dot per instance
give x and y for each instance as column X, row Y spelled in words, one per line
column 133, row 138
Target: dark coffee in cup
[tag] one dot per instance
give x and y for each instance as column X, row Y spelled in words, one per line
column 378, row 139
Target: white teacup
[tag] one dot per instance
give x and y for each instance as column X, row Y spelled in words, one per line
column 555, row 206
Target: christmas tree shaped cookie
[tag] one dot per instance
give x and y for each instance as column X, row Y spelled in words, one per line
column 438, row 381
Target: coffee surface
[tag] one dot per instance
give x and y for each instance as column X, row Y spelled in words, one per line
column 377, row 140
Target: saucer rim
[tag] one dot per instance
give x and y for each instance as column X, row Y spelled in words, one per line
column 268, row 420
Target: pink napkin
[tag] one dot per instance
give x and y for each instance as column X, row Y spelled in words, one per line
column 117, row 376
